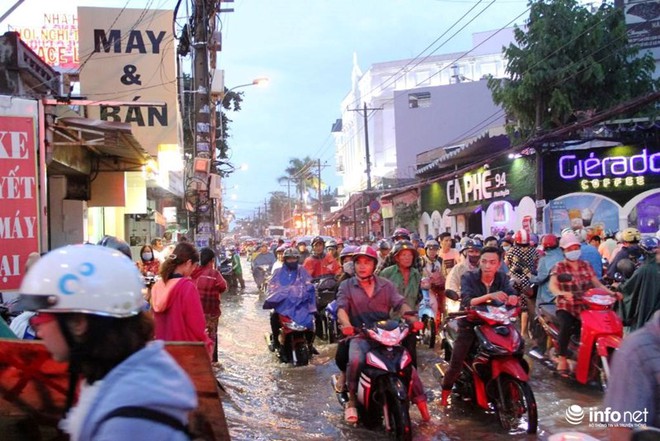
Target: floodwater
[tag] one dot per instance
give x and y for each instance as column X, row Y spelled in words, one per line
column 267, row 400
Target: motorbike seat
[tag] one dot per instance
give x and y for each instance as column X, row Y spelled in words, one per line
column 549, row 311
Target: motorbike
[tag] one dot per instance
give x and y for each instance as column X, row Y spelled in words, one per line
column 326, row 291
column 601, row 332
column 227, row 271
column 261, row 273
column 427, row 316
column 494, row 375
column 294, row 342
column 384, row 384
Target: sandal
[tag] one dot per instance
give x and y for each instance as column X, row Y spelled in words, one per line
column 351, row 415
column 563, row 373
column 339, row 388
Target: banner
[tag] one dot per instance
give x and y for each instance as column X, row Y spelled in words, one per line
column 19, row 209
column 128, row 55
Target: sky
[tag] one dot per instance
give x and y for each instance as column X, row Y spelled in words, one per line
column 306, row 48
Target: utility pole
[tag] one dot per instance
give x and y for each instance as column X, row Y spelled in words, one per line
column 365, row 115
column 320, row 216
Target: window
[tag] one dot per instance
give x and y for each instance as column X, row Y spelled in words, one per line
column 419, row 99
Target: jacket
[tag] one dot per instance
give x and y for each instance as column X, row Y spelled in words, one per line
column 291, row 293
column 323, row 265
column 211, row 285
column 178, row 313
column 149, row 378
column 410, row 292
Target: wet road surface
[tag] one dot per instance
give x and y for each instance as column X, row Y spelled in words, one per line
column 266, row 400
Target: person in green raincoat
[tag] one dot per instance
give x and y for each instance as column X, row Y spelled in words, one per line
column 640, row 292
column 407, row 278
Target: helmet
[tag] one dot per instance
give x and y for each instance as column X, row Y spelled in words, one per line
column 318, row 239
column 649, row 244
column 331, row 243
column 472, row 244
column 89, row 279
column 291, row 252
column 631, row 235
column 401, row 232
column 366, row 250
column 521, row 237
column 384, row 245
column 117, row 244
column 414, row 236
column 549, row 242
column 281, row 249
column 508, row 239
column 347, row 251
column 568, row 240
column 431, row 244
column 404, row 245
column 608, row 234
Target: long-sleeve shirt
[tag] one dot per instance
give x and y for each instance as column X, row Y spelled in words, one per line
column 210, row 285
column 322, row 265
column 472, row 286
column 365, row 310
column 542, row 277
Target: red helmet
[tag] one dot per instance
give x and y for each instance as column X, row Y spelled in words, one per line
column 521, row 237
column 366, row 250
column 549, row 242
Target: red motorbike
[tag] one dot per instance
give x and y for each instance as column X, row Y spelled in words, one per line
column 494, row 376
column 600, row 335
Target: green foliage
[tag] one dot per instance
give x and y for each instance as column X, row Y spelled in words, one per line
column 568, row 64
column 407, row 216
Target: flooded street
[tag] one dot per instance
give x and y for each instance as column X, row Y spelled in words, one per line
column 266, row 400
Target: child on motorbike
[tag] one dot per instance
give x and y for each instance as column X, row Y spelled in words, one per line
column 569, row 304
column 364, row 300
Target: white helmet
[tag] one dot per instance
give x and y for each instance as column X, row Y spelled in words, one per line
column 88, row 279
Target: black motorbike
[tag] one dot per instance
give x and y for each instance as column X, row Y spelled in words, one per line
column 227, row 271
column 326, row 288
column 294, row 342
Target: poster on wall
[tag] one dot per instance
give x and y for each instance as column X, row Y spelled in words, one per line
column 579, row 210
column 19, row 209
column 646, row 214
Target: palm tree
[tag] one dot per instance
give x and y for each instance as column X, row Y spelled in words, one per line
column 300, row 172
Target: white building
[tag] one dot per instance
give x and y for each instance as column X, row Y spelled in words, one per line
column 422, row 104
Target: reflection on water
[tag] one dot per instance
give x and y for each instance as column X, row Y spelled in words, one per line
column 266, row 400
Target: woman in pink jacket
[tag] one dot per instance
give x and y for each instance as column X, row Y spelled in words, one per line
column 175, row 301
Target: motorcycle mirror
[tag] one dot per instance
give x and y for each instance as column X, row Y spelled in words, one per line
column 626, row 267
column 451, row 294
column 564, row 277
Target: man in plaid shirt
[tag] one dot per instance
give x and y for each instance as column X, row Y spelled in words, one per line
column 569, row 303
column 210, row 285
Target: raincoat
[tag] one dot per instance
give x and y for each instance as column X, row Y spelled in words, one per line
column 640, row 295
column 291, row 293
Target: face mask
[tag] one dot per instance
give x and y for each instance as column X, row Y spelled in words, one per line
column 349, row 268
column 474, row 260
column 506, row 248
column 573, row 255
column 147, row 256
column 291, row 265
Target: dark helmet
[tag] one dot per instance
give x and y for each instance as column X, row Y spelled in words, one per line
column 346, row 252
column 508, row 239
column 549, row 242
column 649, row 244
column 625, row 267
column 331, row 243
column 414, row 236
column 384, row 245
column 291, row 252
column 318, row 239
column 117, row 244
column 401, row 232
column 366, row 250
column 404, row 245
column 472, row 244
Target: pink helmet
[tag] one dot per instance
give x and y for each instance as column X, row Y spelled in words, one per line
column 366, row 250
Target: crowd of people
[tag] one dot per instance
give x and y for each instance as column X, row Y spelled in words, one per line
column 378, row 280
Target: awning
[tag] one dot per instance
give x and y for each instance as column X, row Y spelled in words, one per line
column 470, row 209
column 113, row 142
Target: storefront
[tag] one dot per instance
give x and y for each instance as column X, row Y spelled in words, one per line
column 496, row 197
column 607, row 188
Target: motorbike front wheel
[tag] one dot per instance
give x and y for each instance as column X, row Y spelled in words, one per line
column 333, row 332
column 516, row 408
column 399, row 417
column 300, row 355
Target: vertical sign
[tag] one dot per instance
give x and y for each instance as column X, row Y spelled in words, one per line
column 19, row 209
column 128, row 55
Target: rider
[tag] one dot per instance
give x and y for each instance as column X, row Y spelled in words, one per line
column 449, row 255
column 364, row 300
column 522, row 259
column 477, row 287
column 630, row 238
column 236, row 266
column 88, row 301
column 331, row 248
column 321, row 263
column 384, row 249
column 569, row 303
column 398, row 235
column 640, row 292
column 302, row 249
column 347, row 264
column 471, row 252
column 290, row 293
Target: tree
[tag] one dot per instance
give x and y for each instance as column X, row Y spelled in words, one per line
column 301, row 173
column 569, row 63
column 407, row 216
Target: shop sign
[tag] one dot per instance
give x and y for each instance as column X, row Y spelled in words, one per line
column 624, row 169
column 501, row 180
column 55, row 39
column 19, row 209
